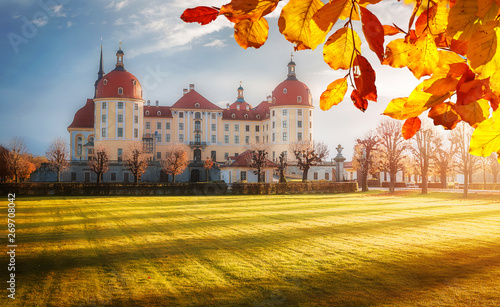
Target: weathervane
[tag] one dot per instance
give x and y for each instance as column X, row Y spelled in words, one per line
column 120, row 44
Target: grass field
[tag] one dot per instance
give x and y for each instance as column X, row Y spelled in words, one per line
column 363, row 249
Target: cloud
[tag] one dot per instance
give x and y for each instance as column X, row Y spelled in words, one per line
column 58, row 10
column 119, row 22
column 16, row 15
column 41, row 21
column 218, row 43
column 69, row 24
column 120, row 5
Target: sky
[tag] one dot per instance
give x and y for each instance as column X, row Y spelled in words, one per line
column 49, row 58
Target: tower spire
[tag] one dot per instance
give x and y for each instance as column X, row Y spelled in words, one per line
column 291, row 69
column 100, row 73
column 119, row 58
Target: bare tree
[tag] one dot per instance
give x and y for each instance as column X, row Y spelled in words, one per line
column 208, row 166
column 465, row 163
column 27, row 167
column 494, row 166
column 14, row 159
column 364, row 157
column 308, row 154
column 99, row 161
column 258, row 161
column 442, row 161
column 391, row 148
column 5, row 171
column 136, row 160
column 281, row 166
column 176, row 159
column 57, row 155
column 423, row 149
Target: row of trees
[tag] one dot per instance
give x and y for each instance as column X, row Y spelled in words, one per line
column 430, row 152
column 16, row 163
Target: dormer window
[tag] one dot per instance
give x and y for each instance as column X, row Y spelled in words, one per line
column 105, row 81
column 245, row 116
column 120, row 91
column 196, row 105
column 285, row 91
column 158, row 113
column 233, row 116
column 258, row 116
column 299, row 99
column 274, row 99
column 134, row 82
column 147, row 112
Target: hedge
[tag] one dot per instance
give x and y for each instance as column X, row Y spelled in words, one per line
column 87, row 189
column 314, row 187
column 480, row 186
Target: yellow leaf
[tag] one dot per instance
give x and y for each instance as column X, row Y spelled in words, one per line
column 396, row 53
column 338, row 51
column 238, row 10
column 395, row 108
column 463, row 21
column 328, row 15
column 295, row 23
column 449, row 57
column 474, row 112
column 483, row 6
column 334, row 94
column 420, row 101
column 251, row 34
column 346, row 12
column 438, row 17
column 423, row 57
column 495, row 83
column 486, row 138
column 483, row 50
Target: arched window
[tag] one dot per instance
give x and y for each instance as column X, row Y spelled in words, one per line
column 196, row 105
column 258, row 116
column 79, row 144
column 246, row 115
column 158, row 113
column 197, row 125
column 120, row 91
column 134, row 82
column 147, row 112
column 197, row 115
column 233, row 116
column 285, row 90
column 105, row 81
column 299, row 99
column 91, row 139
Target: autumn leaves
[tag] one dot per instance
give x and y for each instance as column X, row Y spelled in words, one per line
column 453, row 43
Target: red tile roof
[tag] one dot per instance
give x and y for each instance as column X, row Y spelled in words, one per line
column 258, row 113
column 165, row 112
column 189, row 100
column 294, row 88
column 84, row 118
column 245, row 159
column 109, row 84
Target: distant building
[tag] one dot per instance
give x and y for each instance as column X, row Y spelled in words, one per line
column 118, row 115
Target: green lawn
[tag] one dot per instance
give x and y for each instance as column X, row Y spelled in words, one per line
column 363, row 249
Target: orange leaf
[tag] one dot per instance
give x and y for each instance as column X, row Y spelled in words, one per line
column 374, row 32
column 334, row 94
column 396, row 53
column 471, row 91
column 238, row 10
column 251, row 34
column 395, row 108
column 483, row 6
column 338, row 51
column 423, row 57
column 459, row 47
column 201, row 14
column 390, row 30
column 440, row 87
column 444, row 115
column 474, row 112
column 359, row 102
column 364, row 78
column 296, row 23
column 328, row 15
column 410, row 127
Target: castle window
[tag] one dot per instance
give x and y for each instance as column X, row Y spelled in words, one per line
column 299, row 136
column 104, row 105
column 134, row 82
column 285, row 90
column 91, row 139
column 181, row 126
column 226, row 139
column 285, row 124
column 148, row 125
column 105, row 81
column 167, row 126
column 257, row 128
column 243, row 175
column 285, row 112
column 120, row 118
column 136, row 119
column 274, row 113
column 120, row 132
column 245, row 116
column 181, row 138
column 247, row 128
column 104, row 119
column 214, row 115
column 257, row 139
column 274, row 99
column 299, row 112
column 103, row 132
column 214, row 139
column 181, row 114
column 158, row 113
column 167, row 138
column 247, row 140
column 285, row 136
column 214, row 127
column 233, row 116
column 136, row 132
column 236, row 127
column 197, row 125
column 147, row 113
column 236, row 139
column 120, row 91
column 120, row 105
column 299, row 124
column 79, row 146
column 136, row 106
column 197, row 115
column 299, row 99
column 226, row 127
column 196, row 105
column 274, row 137
column 158, row 125
column 258, row 116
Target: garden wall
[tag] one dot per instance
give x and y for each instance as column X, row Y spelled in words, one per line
column 84, row 189
column 293, row 188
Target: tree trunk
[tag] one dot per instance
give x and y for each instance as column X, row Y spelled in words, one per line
column 424, row 184
column 98, row 178
column 304, row 174
column 173, row 178
column 444, row 184
column 392, row 182
column 466, row 184
column 364, row 181
column 136, row 178
column 58, row 176
column 495, row 177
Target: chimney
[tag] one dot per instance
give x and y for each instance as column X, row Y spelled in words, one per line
column 269, row 99
column 149, row 103
column 157, row 103
column 191, row 87
column 248, row 107
column 227, row 106
column 184, row 91
column 238, row 106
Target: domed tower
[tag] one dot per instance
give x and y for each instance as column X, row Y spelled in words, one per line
column 291, row 113
column 118, row 106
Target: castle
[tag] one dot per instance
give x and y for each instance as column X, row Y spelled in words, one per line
column 118, row 115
